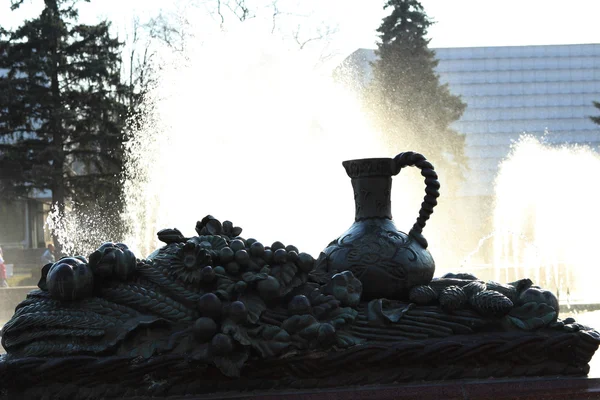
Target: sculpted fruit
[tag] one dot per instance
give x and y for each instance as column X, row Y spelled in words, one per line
column 208, row 274
column 299, row 305
column 226, row 254
column 238, row 311
column 237, row 245
column 280, row 256
column 221, row 344
column 204, row 329
column 269, row 288
column 277, row 245
column 257, row 249
column 306, row 262
column 70, row 279
column 210, row 305
column 242, row 257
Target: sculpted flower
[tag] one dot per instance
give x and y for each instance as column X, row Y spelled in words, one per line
column 538, row 296
column 209, row 225
column 196, row 254
column 191, row 258
column 346, row 288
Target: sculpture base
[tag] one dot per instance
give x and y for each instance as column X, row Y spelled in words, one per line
column 547, row 388
column 217, row 316
column 550, row 388
column 482, row 356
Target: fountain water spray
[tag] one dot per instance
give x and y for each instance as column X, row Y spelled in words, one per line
column 246, row 127
column 546, row 194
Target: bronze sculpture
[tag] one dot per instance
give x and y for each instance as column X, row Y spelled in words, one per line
column 387, row 262
column 218, row 312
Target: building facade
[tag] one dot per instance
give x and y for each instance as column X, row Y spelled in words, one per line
column 22, row 220
column 22, row 223
column 543, row 91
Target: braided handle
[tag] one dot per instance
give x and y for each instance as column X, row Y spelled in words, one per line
column 432, row 186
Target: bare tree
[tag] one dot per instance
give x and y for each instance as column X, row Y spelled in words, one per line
column 275, row 14
column 140, row 67
column 240, row 10
column 321, row 33
column 166, row 30
column 170, row 30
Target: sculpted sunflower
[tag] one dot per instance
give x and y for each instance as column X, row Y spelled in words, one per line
column 197, row 253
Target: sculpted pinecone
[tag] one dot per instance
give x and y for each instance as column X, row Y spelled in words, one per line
column 490, row 302
column 422, row 295
column 452, row 298
column 474, row 288
column 507, row 290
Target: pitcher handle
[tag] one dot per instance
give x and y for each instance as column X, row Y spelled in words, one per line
column 432, row 186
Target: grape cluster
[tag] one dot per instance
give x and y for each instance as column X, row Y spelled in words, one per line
column 237, row 277
column 220, row 254
column 244, row 269
column 246, row 263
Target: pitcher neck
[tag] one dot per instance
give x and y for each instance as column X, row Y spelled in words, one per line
column 372, row 197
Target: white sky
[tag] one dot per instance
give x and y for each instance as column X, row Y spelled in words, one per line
column 462, row 23
column 459, row 23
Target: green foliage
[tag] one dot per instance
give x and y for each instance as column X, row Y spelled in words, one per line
column 407, row 101
column 62, row 108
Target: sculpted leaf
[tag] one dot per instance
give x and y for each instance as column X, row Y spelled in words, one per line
column 296, row 323
column 250, row 276
column 385, row 311
column 269, row 340
column 284, row 273
column 345, row 339
column 342, row 316
column 532, row 316
column 255, row 306
column 238, row 332
column 232, row 364
column 311, row 331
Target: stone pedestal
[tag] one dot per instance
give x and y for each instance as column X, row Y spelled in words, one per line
column 530, row 389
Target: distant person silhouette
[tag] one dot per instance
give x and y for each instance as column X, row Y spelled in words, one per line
column 48, row 256
column 3, row 281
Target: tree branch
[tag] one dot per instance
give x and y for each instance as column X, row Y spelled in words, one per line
column 319, row 36
column 274, row 16
column 220, row 13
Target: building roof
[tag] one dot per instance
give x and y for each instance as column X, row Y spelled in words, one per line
column 544, row 91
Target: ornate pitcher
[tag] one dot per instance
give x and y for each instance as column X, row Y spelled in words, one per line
column 387, row 262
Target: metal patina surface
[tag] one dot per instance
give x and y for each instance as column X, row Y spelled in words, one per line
column 220, row 315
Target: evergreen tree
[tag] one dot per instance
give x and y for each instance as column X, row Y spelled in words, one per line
column 414, row 111
column 409, row 104
column 62, row 108
column 596, row 120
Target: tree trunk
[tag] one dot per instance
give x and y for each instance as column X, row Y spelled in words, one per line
column 58, row 186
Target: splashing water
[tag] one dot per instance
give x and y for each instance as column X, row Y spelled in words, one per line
column 547, row 194
column 80, row 230
column 247, row 128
